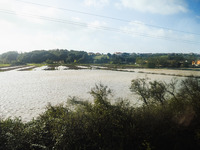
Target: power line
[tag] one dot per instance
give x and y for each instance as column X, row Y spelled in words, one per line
column 99, row 27
column 96, row 27
column 108, row 17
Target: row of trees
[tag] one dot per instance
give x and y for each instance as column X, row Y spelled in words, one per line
column 42, row 56
column 169, row 119
column 65, row 56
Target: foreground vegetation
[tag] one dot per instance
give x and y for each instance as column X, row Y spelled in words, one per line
column 169, row 118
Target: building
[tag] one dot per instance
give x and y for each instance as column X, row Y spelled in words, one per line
column 196, row 63
column 118, row 53
column 91, row 53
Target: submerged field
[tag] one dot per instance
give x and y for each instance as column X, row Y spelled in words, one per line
column 27, row 93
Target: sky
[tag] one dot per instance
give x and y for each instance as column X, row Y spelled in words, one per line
column 105, row 26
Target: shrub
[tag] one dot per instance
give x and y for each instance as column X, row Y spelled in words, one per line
column 172, row 123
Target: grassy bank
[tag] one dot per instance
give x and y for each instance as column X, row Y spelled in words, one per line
column 4, row 65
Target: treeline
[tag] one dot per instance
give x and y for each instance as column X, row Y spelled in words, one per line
column 169, row 119
column 171, row 60
column 42, row 56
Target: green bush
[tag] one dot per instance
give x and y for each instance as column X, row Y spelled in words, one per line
column 81, row 125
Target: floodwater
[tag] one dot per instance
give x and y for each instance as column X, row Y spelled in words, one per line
column 26, row 94
column 167, row 72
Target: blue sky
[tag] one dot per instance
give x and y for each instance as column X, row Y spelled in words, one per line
column 141, row 26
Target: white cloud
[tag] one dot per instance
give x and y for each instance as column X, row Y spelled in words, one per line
column 25, row 42
column 77, row 19
column 13, row 37
column 164, row 7
column 5, row 4
column 137, row 28
column 5, row 25
column 96, row 3
column 27, row 11
column 96, row 24
column 33, row 13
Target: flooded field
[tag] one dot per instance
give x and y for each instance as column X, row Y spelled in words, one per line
column 166, row 72
column 27, row 93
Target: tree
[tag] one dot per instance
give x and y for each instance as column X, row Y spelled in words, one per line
column 140, row 87
column 190, row 92
column 151, row 63
column 9, row 57
column 109, row 55
column 153, row 91
column 100, row 94
column 158, row 91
